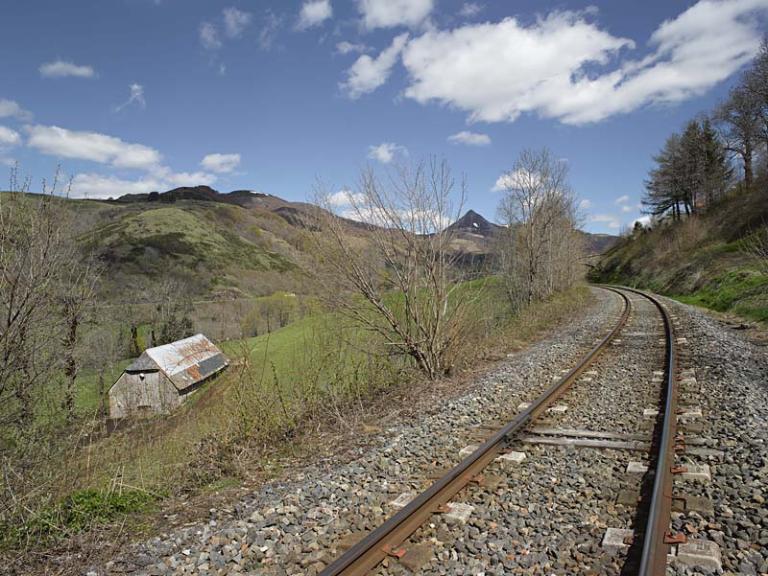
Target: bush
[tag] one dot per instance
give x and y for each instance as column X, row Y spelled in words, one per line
column 78, row 511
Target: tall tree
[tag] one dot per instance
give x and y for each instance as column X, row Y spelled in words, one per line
column 756, row 83
column 663, row 187
column 717, row 168
column 739, row 118
column 541, row 248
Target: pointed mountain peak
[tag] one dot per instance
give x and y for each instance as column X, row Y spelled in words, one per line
column 475, row 223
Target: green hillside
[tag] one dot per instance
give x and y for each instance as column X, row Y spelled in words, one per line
column 702, row 260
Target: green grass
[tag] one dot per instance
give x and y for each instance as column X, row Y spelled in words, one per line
column 77, row 512
column 743, row 292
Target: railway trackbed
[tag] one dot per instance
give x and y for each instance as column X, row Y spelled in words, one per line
column 569, row 493
column 648, row 540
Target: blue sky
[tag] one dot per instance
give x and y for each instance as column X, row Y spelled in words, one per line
column 137, row 95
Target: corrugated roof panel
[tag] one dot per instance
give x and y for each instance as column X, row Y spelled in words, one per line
column 188, row 361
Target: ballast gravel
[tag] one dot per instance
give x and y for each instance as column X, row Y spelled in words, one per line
column 548, row 514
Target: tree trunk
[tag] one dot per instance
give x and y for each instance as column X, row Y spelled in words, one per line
column 70, row 367
column 747, row 157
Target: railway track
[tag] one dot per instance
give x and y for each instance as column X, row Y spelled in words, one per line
column 647, row 546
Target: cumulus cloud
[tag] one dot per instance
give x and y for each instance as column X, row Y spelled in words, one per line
column 391, row 13
column 220, row 163
column 470, row 138
column 235, row 21
column 345, row 47
column 368, row 73
column 209, row 36
column 418, row 221
column 91, row 146
column 313, row 13
column 8, row 137
column 644, row 220
column 90, row 185
column 566, row 67
column 516, row 180
column 11, row 109
column 63, row 69
column 386, row 152
column 345, row 198
column 136, row 97
column 113, row 152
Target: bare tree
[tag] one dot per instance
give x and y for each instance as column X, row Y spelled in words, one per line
column 739, row 119
column 75, row 300
column 756, row 84
column 541, row 248
column 400, row 279
column 31, row 263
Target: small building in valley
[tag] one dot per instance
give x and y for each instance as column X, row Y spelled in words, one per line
column 162, row 378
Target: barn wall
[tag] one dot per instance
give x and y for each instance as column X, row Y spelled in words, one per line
column 132, row 396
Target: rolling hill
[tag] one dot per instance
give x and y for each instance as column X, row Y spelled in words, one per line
column 225, row 245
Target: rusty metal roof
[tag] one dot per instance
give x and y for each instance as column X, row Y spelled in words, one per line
column 185, row 362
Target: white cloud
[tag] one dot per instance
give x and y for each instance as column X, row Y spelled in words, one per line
column 610, row 220
column 470, row 138
column 470, row 9
column 8, row 137
column 136, row 97
column 386, row 152
column 235, row 21
column 171, row 179
column 98, row 186
column 622, row 199
column 367, row 73
column 627, row 209
column 11, row 109
column 89, row 185
column 516, row 180
column 419, row 221
column 348, row 48
column 91, row 146
column 644, row 220
column 497, row 71
column 314, row 13
column 345, row 198
column 220, row 163
column 585, row 204
column 390, row 13
column 62, row 69
column 209, row 36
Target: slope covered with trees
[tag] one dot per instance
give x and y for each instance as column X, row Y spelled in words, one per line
column 706, row 241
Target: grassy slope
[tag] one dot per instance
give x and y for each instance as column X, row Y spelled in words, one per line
column 215, row 243
column 700, row 261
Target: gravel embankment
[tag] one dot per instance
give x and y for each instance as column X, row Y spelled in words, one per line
column 732, row 378
column 294, row 526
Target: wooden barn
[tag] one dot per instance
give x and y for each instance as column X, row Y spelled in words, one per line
column 162, row 378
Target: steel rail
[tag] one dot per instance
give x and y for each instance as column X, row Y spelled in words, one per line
column 384, row 540
column 653, row 559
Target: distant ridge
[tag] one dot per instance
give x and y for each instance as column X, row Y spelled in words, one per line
column 199, row 193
